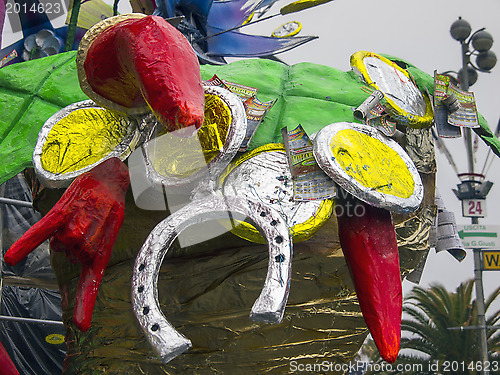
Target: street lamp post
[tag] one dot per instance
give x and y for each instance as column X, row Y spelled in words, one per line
column 481, row 42
column 486, row 59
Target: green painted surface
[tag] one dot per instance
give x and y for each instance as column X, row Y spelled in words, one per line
column 30, row 93
column 308, row 94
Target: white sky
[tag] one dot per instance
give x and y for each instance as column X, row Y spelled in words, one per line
column 417, row 31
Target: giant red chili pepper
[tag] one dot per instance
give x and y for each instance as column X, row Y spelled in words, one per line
column 84, row 223
column 7, row 367
column 148, row 59
column 368, row 240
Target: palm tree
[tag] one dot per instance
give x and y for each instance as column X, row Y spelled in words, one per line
column 432, row 313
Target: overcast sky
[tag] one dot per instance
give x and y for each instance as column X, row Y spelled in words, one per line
column 417, row 31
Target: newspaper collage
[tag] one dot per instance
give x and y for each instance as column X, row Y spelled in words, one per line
column 309, row 180
column 453, row 107
column 254, row 108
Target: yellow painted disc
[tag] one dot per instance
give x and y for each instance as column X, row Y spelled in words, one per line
column 406, row 104
column 369, row 165
column 55, row 339
column 181, row 157
column 174, row 160
column 79, row 137
column 287, row 30
column 263, row 175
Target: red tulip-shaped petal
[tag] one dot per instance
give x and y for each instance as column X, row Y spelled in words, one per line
column 7, row 367
column 147, row 60
column 370, row 249
column 84, row 224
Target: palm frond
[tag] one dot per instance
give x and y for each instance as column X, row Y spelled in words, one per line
column 431, row 317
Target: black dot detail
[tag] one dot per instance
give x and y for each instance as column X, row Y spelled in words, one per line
column 142, row 266
column 145, row 310
column 263, row 214
column 140, row 289
column 279, row 258
column 279, row 239
column 274, row 222
column 155, row 327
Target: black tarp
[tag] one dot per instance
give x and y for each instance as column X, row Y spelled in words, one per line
column 29, row 290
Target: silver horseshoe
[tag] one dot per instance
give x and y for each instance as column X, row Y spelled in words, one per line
column 269, row 307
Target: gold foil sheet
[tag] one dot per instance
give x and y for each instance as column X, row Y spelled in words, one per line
column 413, row 238
column 207, row 291
column 419, row 145
column 413, row 231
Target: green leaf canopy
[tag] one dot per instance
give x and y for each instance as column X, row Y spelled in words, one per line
column 308, row 94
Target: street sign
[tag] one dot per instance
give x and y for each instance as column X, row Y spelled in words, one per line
column 477, row 236
column 491, row 260
column 474, row 208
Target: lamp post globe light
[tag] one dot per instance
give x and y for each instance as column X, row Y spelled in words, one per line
column 474, row 187
column 481, row 42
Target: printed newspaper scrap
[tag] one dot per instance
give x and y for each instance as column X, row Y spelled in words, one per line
column 309, row 180
column 255, row 111
column 443, row 127
column 460, row 105
column 11, row 56
column 254, row 108
column 467, row 114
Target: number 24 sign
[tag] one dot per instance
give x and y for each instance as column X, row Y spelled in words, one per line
column 474, row 208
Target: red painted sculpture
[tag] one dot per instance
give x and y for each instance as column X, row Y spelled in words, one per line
column 147, row 59
column 370, row 249
column 84, row 223
column 7, row 367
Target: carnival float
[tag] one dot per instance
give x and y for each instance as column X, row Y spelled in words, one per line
column 214, row 217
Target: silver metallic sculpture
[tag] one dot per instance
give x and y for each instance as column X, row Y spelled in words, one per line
column 207, row 204
column 269, row 307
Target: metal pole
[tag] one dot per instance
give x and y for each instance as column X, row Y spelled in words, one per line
column 478, row 273
column 481, row 319
column 15, row 202
column 464, row 85
column 31, row 320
